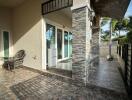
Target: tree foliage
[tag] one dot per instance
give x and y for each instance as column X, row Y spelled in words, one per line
column 129, row 34
column 105, row 35
column 105, row 21
column 117, row 26
column 130, row 24
column 121, row 24
column 114, row 22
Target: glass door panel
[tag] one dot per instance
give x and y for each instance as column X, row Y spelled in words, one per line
column 65, row 44
column 50, row 38
column 59, row 43
column 70, row 44
column 6, row 44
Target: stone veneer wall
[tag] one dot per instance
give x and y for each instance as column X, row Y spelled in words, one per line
column 95, row 47
column 94, row 52
column 85, row 56
column 80, row 43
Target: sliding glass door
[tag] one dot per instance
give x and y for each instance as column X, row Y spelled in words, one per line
column 59, row 43
column 6, row 43
column 65, row 44
column 50, row 39
column 70, row 44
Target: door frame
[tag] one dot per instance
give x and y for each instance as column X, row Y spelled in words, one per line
column 58, row 26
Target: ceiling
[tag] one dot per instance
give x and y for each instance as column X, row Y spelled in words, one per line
column 106, row 8
column 110, row 8
column 10, row 3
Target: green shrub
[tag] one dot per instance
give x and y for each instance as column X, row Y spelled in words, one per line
column 123, row 40
column 129, row 36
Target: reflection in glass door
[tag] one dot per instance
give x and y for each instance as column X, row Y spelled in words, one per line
column 59, row 43
column 65, row 44
column 50, row 38
column 70, row 44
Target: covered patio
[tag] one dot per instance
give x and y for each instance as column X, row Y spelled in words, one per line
column 50, row 70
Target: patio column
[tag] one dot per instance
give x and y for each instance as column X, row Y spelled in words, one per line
column 94, row 51
column 95, row 42
column 81, row 44
column 85, row 56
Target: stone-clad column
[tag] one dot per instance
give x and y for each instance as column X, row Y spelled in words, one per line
column 81, row 44
column 94, row 52
column 85, row 56
column 95, row 42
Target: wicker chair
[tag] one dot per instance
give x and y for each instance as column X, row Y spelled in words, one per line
column 16, row 61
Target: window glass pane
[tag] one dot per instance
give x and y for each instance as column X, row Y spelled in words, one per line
column 50, row 37
column 59, row 43
column 66, row 44
column 70, row 44
column 6, row 43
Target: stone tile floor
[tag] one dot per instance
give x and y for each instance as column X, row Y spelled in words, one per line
column 63, row 68
column 66, row 65
column 8, row 78
column 48, row 88
column 107, row 75
column 23, row 84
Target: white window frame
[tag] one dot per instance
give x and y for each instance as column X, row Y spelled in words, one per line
column 58, row 26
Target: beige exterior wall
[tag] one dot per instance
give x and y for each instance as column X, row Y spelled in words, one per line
column 5, row 18
column 5, row 25
column 27, row 32
column 60, row 18
column 27, row 28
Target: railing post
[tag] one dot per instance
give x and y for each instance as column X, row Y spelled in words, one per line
column 117, row 49
column 122, row 53
column 131, row 72
column 126, row 61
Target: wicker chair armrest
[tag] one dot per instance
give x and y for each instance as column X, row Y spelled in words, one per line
column 16, row 59
column 19, row 58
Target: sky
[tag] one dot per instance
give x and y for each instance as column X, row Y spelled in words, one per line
column 127, row 14
column 129, row 10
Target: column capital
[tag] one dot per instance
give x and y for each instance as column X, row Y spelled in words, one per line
column 80, row 4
